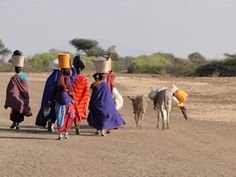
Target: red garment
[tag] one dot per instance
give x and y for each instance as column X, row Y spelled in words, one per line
column 17, row 96
column 68, row 119
column 81, row 97
column 64, row 83
column 110, row 79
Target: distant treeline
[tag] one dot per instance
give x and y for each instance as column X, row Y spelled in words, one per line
column 194, row 65
column 157, row 63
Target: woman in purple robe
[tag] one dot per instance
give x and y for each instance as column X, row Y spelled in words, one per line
column 102, row 111
column 17, row 96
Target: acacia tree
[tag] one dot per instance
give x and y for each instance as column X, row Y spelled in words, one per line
column 4, row 52
column 197, row 58
column 90, row 47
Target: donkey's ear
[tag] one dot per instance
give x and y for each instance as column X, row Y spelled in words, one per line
column 131, row 98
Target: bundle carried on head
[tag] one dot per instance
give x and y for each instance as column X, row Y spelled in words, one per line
column 64, row 60
column 102, row 64
column 17, row 59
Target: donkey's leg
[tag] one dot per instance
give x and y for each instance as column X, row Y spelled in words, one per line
column 136, row 119
column 141, row 119
column 162, row 116
column 168, row 116
column 158, row 117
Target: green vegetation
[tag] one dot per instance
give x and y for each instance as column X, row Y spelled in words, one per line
column 162, row 63
column 4, row 52
column 90, row 47
column 223, row 68
column 157, row 63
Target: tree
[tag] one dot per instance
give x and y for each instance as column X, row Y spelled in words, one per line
column 4, row 52
column 230, row 56
column 90, row 47
column 112, row 51
column 42, row 59
column 197, row 58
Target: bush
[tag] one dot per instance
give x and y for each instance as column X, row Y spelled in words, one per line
column 162, row 63
column 223, row 68
column 148, row 64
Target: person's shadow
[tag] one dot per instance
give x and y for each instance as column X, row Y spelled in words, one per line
column 85, row 130
column 35, row 131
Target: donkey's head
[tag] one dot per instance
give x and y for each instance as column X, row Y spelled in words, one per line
column 137, row 103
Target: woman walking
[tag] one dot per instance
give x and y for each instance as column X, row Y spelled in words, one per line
column 47, row 111
column 102, row 111
column 17, row 95
column 80, row 93
column 64, row 108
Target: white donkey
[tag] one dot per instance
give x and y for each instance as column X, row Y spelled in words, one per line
column 162, row 100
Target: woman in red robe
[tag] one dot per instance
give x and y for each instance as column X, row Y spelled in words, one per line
column 80, row 93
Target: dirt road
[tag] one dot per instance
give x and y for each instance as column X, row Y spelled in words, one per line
column 190, row 148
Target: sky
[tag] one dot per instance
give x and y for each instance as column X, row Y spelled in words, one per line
column 135, row 27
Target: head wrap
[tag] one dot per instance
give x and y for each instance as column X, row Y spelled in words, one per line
column 78, row 63
column 17, row 53
column 54, row 64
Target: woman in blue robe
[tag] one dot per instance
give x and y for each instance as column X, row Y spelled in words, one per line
column 47, row 110
column 102, row 110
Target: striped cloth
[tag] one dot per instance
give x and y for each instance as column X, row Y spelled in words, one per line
column 81, row 96
column 60, row 114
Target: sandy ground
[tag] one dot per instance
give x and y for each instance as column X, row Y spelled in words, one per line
column 202, row 146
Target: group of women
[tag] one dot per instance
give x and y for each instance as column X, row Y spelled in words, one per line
column 67, row 97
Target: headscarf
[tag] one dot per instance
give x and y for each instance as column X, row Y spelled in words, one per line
column 78, row 63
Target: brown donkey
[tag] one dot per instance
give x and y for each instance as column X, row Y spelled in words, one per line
column 139, row 104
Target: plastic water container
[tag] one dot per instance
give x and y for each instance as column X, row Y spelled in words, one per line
column 64, row 60
column 181, row 96
column 18, row 60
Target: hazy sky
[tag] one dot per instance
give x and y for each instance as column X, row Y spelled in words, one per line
column 135, row 26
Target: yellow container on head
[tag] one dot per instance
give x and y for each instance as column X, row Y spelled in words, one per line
column 64, row 60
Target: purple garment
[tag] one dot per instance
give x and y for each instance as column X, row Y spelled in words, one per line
column 17, row 96
column 64, row 91
column 62, row 97
column 102, row 110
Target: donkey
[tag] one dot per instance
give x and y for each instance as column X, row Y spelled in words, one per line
column 162, row 101
column 139, row 107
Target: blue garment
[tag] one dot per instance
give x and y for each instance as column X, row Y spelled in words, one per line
column 48, row 95
column 73, row 76
column 50, row 88
column 22, row 76
column 102, row 110
column 62, row 97
column 60, row 113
